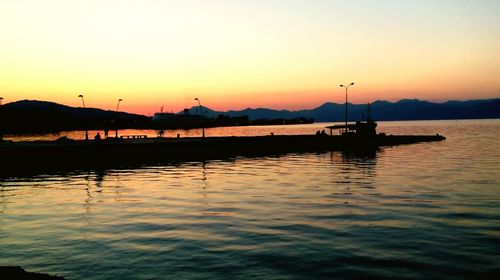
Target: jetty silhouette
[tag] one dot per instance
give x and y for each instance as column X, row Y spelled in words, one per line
column 358, row 137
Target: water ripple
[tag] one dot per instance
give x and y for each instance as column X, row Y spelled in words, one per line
column 421, row 211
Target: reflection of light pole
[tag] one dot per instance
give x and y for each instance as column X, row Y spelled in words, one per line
column 1, row 99
column 117, row 107
column 86, row 118
column 346, row 88
column 202, row 120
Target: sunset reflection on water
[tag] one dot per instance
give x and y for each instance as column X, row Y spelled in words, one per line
column 306, row 215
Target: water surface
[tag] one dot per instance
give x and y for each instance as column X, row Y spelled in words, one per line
column 429, row 210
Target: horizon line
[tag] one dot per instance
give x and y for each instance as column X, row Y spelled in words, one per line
column 269, row 108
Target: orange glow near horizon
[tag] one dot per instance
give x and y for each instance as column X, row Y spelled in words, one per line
column 237, row 54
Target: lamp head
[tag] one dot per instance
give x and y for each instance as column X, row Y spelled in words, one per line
column 81, row 96
column 196, row 98
column 341, row 85
column 120, row 100
column 352, row 84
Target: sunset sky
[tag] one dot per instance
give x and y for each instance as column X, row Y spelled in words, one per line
column 234, row 54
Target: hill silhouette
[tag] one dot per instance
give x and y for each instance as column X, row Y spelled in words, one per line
column 405, row 109
column 32, row 116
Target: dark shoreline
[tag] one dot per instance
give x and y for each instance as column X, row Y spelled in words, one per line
column 111, row 131
column 17, row 272
column 158, row 127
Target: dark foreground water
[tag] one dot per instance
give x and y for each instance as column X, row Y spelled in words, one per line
column 420, row 211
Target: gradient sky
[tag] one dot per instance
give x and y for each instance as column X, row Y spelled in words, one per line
column 233, row 54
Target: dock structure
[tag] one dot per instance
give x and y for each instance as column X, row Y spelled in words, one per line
column 359, row 137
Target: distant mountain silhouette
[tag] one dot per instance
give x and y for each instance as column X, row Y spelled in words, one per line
column 405, row 109
column 41, row 116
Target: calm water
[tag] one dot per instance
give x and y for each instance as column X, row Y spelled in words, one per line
column 419, row 211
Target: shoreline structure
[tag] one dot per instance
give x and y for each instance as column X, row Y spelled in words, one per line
column 360, row 137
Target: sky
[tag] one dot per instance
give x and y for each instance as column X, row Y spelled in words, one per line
column 235, row 54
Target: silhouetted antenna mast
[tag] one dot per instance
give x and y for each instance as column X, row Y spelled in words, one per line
column 161, row 110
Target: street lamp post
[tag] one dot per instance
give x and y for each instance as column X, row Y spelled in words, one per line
column 1, row 133
column 86, row 118
column 117, row 108
column 118, row 105
column 346, row 89
column 203, row 121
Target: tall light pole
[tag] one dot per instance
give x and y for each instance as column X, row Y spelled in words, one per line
column 118, row 105
column 346, row 89
column 86, row 118
column 201, row 113
column 117, row 108
column 199, row 104
column 1, row 134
